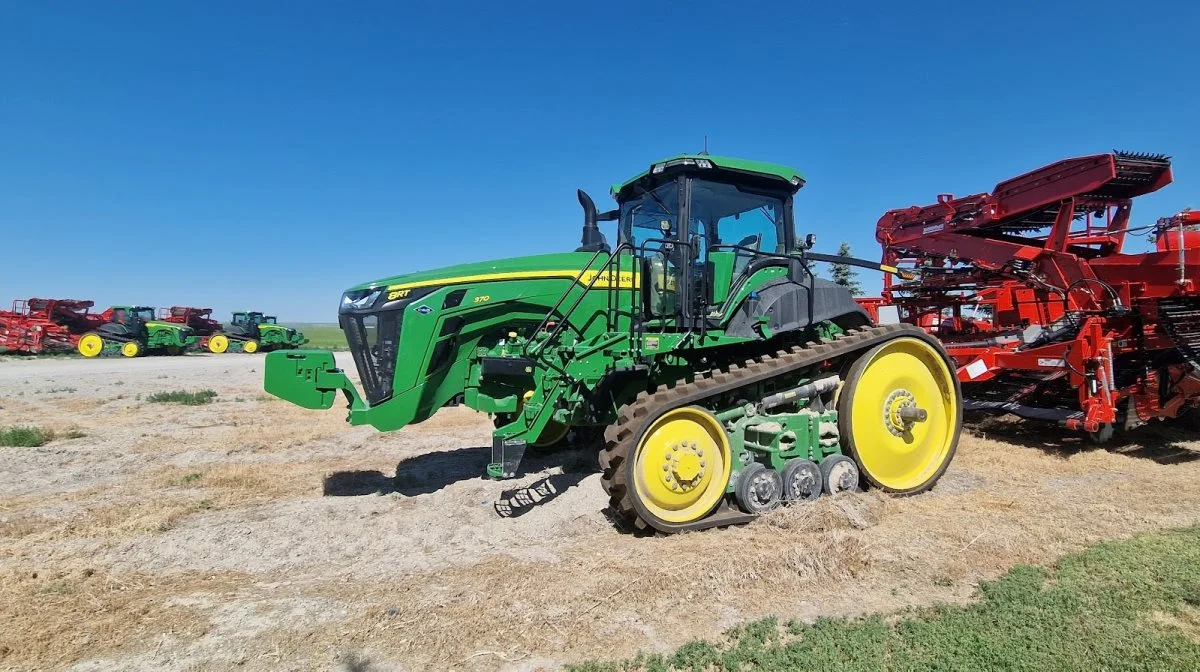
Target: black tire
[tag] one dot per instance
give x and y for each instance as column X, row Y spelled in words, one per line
column 839, row 474
column 802, row 481
column 758, row 489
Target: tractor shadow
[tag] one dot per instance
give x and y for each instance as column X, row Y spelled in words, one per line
column 1170, row 442
column 430, row 472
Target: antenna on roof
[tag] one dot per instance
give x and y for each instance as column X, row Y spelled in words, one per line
column 705, row 151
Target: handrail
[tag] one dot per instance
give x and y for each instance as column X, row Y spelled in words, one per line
column 558, row 328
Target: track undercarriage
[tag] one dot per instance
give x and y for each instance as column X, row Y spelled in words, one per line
column 785, row 428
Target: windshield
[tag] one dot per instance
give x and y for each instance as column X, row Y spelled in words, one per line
column 269, row 320
column 654, row 214
column 727, row 215
column 144, row 313
column 239, row 318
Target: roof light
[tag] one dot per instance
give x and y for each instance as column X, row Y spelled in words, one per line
column 658, row 168
column 795, row 181
column 703, row 163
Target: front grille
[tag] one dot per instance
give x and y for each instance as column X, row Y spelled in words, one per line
column 374, row 341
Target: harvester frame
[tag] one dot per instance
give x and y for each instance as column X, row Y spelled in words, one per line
column 1077, row 331
column 39, row 325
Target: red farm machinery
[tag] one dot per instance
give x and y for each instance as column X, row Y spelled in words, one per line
column 248, row 331
column 200, row 320
column 1044, row 313
column 46, row 325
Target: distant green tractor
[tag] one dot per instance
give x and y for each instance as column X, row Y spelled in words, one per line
column 252, row 331
column 133, row 331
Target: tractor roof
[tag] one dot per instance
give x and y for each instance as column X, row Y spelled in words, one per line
column 768, row 172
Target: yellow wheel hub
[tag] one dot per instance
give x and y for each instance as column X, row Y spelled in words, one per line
column 250, row 346
column 130, row 349
column 903, row 414
column 218, row 343
column 682, row 465
column 90, row 345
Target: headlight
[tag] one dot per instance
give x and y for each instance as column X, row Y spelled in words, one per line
column 349, row 299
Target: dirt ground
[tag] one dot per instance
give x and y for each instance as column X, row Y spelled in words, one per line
column 254, row 535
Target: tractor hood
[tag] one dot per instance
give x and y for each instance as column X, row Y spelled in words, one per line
column 564, row 265
column 156, row 324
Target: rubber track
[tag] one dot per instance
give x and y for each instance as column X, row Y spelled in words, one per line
column 621, row 438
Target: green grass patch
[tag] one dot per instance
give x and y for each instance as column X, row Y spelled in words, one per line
column 323, row 336
column 22, row 436
column 1127, row 605
column 186, row 479
column 197, row 398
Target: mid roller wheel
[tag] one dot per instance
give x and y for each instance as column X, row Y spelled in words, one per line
column 839, row 474
column 131, row 349
column 758, row 489
column 250, row 346
column 899, row 414
column 802, row 481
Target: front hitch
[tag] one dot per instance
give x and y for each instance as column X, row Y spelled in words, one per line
column 310, row 379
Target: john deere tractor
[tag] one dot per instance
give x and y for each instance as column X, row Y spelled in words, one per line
column 714, row 374
column 252, row 331
column 133, row 331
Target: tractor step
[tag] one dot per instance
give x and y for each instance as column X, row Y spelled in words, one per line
column 506, row 458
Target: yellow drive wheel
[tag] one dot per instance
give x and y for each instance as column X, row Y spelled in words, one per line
column 218, row 343
column 552, row 434
column 131, row 349
column 90, row 345
column 250, row 346
column 681, row 466
column 899, row 414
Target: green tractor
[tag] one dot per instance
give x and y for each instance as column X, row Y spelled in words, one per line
column 134, row 331
column 251, row 331
column 715, row 374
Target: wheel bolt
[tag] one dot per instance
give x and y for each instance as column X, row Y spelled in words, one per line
column 699, row 453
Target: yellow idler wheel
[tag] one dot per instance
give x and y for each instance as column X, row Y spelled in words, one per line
column 552, row 434
column 218, row 343
column 681, row 466
column 90, row 345
column 900, row 414
column 131, row 349
column 250, row 346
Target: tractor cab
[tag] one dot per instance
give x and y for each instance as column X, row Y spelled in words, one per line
column 133, row 318
column 698, row 226
column 245, row 324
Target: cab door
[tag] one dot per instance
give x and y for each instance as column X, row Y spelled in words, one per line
column 732, row 227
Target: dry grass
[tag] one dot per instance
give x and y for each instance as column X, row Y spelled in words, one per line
column 1186, row 620
column 54, row 619
column 559, row 584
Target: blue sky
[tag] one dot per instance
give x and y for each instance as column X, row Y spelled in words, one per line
column 272, row 154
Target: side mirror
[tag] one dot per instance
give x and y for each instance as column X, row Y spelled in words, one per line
column 810, row 241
